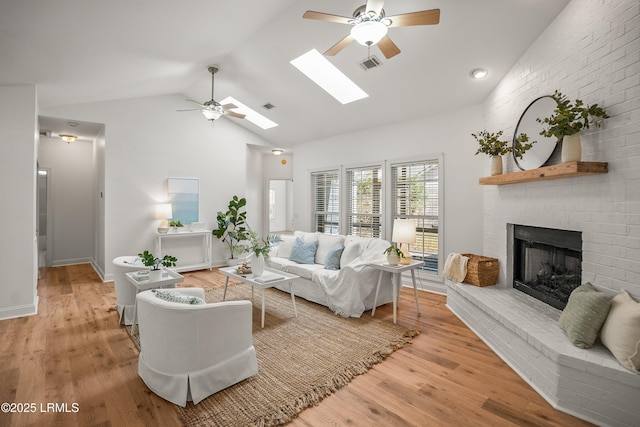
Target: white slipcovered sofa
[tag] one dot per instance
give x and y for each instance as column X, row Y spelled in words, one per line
column 189, row 352
column 349, row 290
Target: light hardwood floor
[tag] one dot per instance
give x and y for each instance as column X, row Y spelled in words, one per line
column 74, row 354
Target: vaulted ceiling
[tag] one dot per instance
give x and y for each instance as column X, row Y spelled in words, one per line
column 79, row 51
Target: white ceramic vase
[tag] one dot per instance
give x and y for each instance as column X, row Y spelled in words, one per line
column 155, row 275
column 571, row 148
column 496, row 165
column 393, row 259
column 257, row 265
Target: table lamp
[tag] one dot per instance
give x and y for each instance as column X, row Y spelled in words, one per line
column 163, row 212
column 404, row 232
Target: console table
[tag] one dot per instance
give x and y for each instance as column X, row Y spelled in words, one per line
column 205, row 242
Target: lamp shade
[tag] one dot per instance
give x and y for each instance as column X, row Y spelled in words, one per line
column 163, row 211
column 211, row 114
column 404, row 231
column 369, row 32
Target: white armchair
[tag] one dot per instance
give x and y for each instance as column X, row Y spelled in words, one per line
column 125, row 292
column 189, row 352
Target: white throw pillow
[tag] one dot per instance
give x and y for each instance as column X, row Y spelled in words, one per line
column 621, row 331
column 325, row 243
column 286, row 244
column 306, row 237
column 350, row 253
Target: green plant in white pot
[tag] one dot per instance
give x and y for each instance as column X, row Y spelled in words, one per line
column 232, row 227
column 567, row 121
column 154, row 263
column 259, row 249
column 491, row 145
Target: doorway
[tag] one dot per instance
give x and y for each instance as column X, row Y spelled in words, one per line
column 280, row 206
column 42, row 229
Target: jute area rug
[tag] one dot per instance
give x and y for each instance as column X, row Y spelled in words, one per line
column 300, row 360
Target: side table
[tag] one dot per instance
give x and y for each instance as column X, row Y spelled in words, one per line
column 142, row 282
column 396, row 282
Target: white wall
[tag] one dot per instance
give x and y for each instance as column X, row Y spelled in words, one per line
column 589, row 52
column 446, row 133
column 147, row 141
column 18, row 139
column 99, row 204
column 72, row 186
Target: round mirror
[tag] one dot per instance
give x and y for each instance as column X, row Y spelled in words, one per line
column 543, row 148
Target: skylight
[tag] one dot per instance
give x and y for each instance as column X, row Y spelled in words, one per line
column 323, row 73
column 251, row 115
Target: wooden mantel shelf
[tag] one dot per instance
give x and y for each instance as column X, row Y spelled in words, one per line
column 562, row 170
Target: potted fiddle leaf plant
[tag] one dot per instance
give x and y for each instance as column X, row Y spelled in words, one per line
column 492, row 145
column 154, row 263
column 232, row 227
column 567, row 121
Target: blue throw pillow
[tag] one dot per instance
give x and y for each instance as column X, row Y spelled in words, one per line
column 304, row 253
column 332, row 260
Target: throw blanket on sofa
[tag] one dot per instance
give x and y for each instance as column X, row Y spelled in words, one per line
column 347, row 290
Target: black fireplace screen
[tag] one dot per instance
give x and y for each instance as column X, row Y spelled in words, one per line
column 547, row 263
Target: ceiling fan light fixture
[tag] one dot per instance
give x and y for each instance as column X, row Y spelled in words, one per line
column 369, row 32
column 211, row 114
column 68, row 138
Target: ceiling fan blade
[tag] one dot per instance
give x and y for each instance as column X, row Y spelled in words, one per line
column 339, row 46
column 236, row 115
column 194, row 109
column 424, row 17
column 374, row 5
column 321, row 16
column 196, row 102
column 229, row 106
column 388, row 48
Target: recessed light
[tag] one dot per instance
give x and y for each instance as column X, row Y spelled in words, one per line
column 479, row 73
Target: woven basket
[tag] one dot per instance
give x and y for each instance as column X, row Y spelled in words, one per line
column 481, row 270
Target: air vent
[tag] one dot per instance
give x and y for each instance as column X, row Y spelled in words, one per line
column 268, row 106
column 45, row 132
column 370, row 62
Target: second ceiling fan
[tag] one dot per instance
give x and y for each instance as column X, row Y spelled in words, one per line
column 370, row 26
column 212, row 109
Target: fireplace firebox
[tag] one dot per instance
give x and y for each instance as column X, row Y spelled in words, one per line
column 545, row 263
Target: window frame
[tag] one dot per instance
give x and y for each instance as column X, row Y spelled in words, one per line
column 346, row 188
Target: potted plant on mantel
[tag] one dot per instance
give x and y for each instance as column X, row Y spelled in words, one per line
column 153, row 262
column 232, row 229
column 491, row 145
column 566, row 122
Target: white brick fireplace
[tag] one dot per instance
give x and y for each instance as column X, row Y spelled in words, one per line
column 591, row 52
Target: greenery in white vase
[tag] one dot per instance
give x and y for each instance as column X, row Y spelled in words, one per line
column 570, row 118
column 492, row 145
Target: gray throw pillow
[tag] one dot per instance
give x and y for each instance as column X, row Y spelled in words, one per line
column 584, row 315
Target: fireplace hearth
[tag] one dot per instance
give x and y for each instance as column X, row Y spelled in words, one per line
column 545, row 263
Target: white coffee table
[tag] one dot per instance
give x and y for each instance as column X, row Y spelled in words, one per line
column 278, row 276
column 141, row 282
column 396, row 281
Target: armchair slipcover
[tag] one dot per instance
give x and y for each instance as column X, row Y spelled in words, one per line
column 189, row 352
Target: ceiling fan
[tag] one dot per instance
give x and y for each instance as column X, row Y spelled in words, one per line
column 212, row 109
column 370, row 26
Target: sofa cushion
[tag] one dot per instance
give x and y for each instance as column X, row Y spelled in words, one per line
column 304, row 253
column 303, row 270
column 306, row 237
column 332, row 260
column 584, row 315
column 621, row 331
column 286, row 244
column 351, row 251
column 327, row 242
column 174, row 296
column 280, row 263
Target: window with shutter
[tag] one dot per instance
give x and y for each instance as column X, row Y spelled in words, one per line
column 326, row 199
column 415, row 193
column 364, row 201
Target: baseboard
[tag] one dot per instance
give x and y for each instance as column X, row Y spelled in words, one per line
column 20, row 311
column 73, row 261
